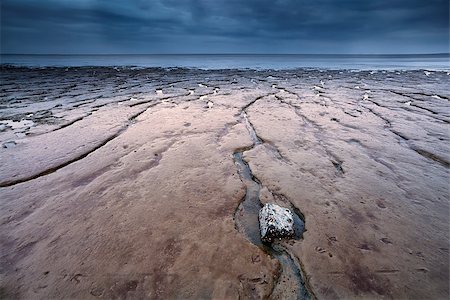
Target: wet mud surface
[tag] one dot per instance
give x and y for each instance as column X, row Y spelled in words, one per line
column 146, row 183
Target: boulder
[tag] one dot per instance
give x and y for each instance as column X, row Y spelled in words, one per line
column 275, row 222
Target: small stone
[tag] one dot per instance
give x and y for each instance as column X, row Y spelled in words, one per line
column 275, row 222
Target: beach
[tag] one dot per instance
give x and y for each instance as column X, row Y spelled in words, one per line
column 131, row 183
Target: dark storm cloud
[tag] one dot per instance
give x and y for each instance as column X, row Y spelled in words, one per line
column 203, row 26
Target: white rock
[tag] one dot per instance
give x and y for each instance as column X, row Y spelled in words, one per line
column 275, row 222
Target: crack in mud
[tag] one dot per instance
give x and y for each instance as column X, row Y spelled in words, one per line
column 404, row 141
column 72, row 122
column 12, row 182
column 337, row 163
column 244, row 109
column 407, row 94
column 157, row 100
column 257, row 140
column 431, row 156
column 9, row 183
column 435, row 115
column 289, row 281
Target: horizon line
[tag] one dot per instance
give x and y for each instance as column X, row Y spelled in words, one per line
column 211, row 54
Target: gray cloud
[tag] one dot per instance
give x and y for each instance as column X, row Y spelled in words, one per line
column 221, row 26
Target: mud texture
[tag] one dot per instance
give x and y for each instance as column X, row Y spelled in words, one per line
column 129, row 183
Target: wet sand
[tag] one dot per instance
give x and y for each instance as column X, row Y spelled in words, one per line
column 121, row 183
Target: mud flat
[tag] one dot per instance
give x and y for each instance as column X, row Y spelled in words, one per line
column 135, row 183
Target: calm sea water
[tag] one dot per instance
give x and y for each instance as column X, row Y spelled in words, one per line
column 356, row 62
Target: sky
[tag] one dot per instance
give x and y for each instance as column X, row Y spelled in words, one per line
column 224, row 26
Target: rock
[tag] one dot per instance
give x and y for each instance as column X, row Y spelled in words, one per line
column 275, row 222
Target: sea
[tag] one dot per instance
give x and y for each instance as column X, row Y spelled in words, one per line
column 434, row 62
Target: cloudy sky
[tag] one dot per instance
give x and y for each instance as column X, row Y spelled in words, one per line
column 224, row 26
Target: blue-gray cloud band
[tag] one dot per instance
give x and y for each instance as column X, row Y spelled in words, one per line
column 204, row 26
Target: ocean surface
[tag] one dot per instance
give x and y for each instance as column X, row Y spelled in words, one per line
column 239, row 61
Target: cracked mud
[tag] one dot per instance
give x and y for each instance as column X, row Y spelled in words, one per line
column 146, row 183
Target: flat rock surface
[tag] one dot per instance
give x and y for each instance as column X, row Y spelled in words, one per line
column 120, row 183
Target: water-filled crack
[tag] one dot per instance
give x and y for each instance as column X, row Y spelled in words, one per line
column 289, row 283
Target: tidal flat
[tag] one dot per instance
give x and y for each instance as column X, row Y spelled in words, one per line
column 132, row 183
